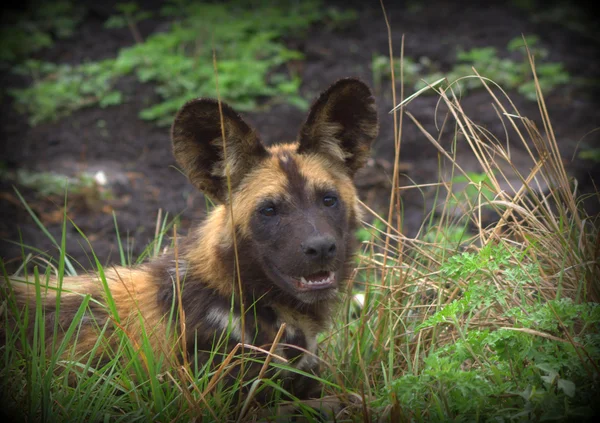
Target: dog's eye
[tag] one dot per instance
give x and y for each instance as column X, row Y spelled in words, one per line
column 268, row 211
column 329, row 201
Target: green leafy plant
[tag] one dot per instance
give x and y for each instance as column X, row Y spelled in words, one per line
column 26, row 33
column 507, row 72
column 180, row 62
column 59, row 90
column 482, row 363
column 250, row 57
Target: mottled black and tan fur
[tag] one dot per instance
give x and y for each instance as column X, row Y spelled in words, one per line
column 295, row 211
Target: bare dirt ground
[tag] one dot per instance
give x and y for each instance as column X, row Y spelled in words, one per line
column 136, row 158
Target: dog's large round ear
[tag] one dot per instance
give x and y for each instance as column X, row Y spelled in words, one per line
column 342, row 124
column 200, row 150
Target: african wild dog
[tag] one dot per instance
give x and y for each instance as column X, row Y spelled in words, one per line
column 295, row 210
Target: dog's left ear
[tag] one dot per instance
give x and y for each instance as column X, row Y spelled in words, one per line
column 342, row 124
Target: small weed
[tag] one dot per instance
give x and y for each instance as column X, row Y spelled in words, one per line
column 336, row 19
column 102, row 129
column 590, row 154
column 26, row 33
column 380, row 66
column 477, row 189
column 130, row 15
column 368, row 233
column 46, row 184
column 58, row 90
column 561, row 13
column 506, row 72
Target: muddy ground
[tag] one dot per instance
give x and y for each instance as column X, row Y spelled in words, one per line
column 135, row 155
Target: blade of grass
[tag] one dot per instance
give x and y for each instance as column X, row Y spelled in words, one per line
column 44, row 230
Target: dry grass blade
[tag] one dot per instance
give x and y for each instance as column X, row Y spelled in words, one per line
column 261, row 375
column 511, row 228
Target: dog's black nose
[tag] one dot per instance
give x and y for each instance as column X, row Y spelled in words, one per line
column 321, row 247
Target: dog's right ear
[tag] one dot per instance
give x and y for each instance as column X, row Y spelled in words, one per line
column 198, row 146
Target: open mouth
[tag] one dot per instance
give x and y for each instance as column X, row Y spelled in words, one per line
column 322, row 279
column 318, row 280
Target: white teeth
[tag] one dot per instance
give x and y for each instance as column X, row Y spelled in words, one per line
column 325, row 281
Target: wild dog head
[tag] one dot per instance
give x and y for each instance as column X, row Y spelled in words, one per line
column 294, row 205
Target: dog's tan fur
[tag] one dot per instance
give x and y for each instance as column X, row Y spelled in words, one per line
column 299, row 179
